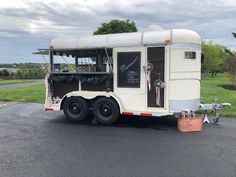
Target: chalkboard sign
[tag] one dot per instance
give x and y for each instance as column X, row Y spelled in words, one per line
column 128, row 69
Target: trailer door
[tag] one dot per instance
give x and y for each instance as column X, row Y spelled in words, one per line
column 155, row 95
column 129, row 78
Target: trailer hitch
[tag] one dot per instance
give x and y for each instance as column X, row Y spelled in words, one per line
column 213, row 107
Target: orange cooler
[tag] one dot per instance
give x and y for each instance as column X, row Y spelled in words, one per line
column 190, row 124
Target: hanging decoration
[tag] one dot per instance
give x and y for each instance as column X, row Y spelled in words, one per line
column 148, row 69
column 159, row 84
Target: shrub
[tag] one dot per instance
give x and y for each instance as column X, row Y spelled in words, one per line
column 230, row 66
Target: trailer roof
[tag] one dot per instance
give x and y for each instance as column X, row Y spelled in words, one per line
column 126, row 39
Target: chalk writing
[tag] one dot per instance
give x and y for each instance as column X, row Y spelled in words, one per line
column 132, row 77
column 124, row 67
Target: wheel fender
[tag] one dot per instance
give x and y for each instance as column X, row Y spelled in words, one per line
column 118, row 102
column 91, row 95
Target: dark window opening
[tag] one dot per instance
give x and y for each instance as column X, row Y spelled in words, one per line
column 82, row 61
column 190, row 55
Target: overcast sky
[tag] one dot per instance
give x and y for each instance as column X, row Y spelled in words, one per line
column 26, row 25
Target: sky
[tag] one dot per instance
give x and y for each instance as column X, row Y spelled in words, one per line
column 26, row 25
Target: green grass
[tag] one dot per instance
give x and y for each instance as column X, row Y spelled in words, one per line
column 24, row 94
column 211, row 90
column 3, row 82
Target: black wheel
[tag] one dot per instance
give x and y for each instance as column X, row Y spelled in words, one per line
column 216, row 120
column 106, row 111
column 75, row 108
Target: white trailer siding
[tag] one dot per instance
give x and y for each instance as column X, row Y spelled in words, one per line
column 185, row 74
column 182, row 76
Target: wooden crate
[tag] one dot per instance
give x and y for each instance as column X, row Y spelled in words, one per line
column 190, row 124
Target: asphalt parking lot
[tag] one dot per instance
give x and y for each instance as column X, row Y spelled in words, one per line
column 36, row 143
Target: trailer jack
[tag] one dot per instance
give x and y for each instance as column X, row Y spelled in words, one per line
column 213, row 107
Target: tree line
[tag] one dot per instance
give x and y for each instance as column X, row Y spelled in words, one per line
column 219, row 59
column 27, row 70
column 22, row 73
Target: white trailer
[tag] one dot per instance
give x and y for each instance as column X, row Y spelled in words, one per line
column 154, row 73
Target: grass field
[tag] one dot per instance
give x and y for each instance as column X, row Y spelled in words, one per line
column 3, row 82
column 210, row 90
column 24, row 94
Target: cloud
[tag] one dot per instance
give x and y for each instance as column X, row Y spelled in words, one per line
column 154, row 28
column 40, row 20
column 79, row 17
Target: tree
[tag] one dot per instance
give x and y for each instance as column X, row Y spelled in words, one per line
column 234, row 34
column 5, row 73
column 116, row 26
column 214, row 57
column 25, row 73
column 230, row 66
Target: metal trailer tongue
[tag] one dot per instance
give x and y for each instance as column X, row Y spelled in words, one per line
column 213, row 107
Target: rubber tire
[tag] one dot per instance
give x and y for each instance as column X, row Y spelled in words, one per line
column 83, row 106
column 106, row 119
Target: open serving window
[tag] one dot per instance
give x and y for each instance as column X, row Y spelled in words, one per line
column 91, row 71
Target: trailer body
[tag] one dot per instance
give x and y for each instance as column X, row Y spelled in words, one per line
column 154, row 73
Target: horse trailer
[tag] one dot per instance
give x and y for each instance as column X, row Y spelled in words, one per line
column 155, row 73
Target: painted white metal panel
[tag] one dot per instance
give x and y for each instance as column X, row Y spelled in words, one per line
column 180, row 64
column 126, row 39
column 132, row 101
column 92, row 41
column 185, row 36
column 185, row 75
column 154, row 37
column 180, row 105
column 186, row 46
column 184, row 89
